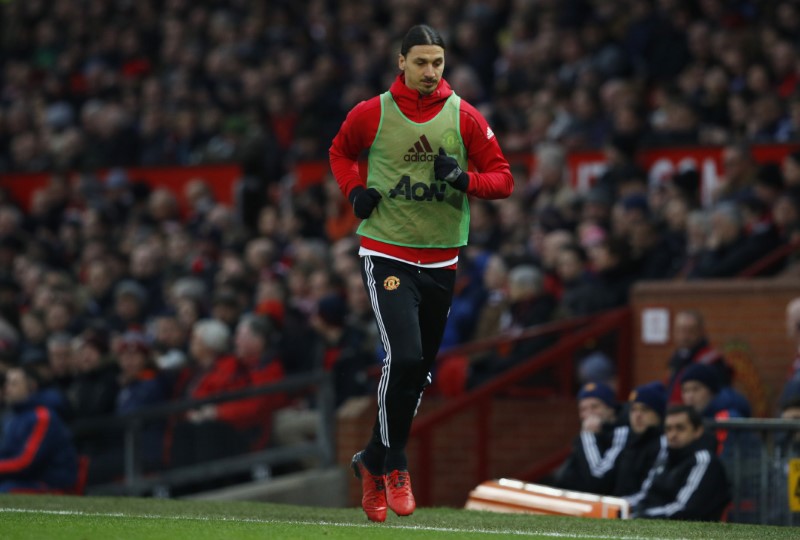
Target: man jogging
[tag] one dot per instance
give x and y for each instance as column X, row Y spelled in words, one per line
column 415, row 213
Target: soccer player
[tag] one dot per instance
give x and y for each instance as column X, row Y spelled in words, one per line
column 415, row 216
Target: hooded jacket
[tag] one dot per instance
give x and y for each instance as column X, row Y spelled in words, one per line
column 37, row 446
column 493, row 179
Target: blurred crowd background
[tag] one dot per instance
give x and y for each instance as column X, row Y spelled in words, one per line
column 92, row 84
column 103, row 263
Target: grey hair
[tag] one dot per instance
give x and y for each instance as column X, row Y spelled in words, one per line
column 59, row 338
column 525, row 276
column 190, row 287
column 259, row 325
column 551, row 154
column 214, row 334
column 730, row 212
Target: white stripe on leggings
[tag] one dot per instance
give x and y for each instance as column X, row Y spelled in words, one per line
column 387, row 361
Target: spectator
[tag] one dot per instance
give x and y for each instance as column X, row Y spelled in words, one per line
column 644, row 446
column 575, row 278
column 691, row 483
column 495, row 282
column 255, row 346
column 740, row 173
column 344, row 350
column 130, row 306
column 595, row 450
column 528, row 305
column 140, row 386
column 692, row 347
column 609, row 260
column 200, row 435
column 550, row 187
column 59, row 361
column 724, row 253
column 36, row 453
column 702, row 389
column 93, row 391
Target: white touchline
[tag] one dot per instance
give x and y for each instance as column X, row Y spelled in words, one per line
column 552, row 534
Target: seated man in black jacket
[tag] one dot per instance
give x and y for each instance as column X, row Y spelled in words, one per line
column 646, row 444
column 595, row 450
column 691, row 483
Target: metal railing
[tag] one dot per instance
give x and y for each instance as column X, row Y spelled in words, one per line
column 136, row 482
column 757, row 453
column 772, row 261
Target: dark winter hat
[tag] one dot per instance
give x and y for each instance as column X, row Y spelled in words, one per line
column 598, row 390
column 332, row 309
column 636, row 201
column 704, row 374
column 653, row 394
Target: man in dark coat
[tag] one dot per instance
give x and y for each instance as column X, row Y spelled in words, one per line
column 36, row 453
column 645, row 444
column 691, row 483
column 692, row 347
column 595, row 450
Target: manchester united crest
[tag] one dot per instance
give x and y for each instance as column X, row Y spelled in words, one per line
column 391, row 283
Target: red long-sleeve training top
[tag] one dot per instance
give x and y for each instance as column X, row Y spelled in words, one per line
column 489, row 175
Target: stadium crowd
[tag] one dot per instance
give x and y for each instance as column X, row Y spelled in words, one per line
column 118, row 300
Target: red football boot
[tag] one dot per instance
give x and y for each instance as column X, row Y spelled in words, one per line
column 373, row 487
column 398, row 493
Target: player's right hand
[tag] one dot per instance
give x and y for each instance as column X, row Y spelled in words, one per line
column 364, row 201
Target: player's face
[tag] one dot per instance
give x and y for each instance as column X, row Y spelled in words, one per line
column 423, row 66
column 679, row 430
column 642, row 417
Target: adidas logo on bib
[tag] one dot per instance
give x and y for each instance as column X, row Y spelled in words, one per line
column 421, row 151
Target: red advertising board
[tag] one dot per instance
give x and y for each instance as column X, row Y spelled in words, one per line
column 662, row 163
column 221, row 178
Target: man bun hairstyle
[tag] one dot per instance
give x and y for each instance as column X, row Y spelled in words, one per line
column 421, row 34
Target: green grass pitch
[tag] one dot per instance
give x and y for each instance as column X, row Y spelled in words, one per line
column 88, row 518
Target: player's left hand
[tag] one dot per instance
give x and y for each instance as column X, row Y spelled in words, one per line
column 446, row 168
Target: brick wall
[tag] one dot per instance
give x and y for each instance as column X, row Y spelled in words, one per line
column 745, row 319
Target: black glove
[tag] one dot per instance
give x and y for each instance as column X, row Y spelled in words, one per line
column 364, row 201
column 446, row 168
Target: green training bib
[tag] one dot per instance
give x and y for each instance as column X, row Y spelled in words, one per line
column 416, row 210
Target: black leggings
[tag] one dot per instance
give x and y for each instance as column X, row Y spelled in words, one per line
column 411, row 305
